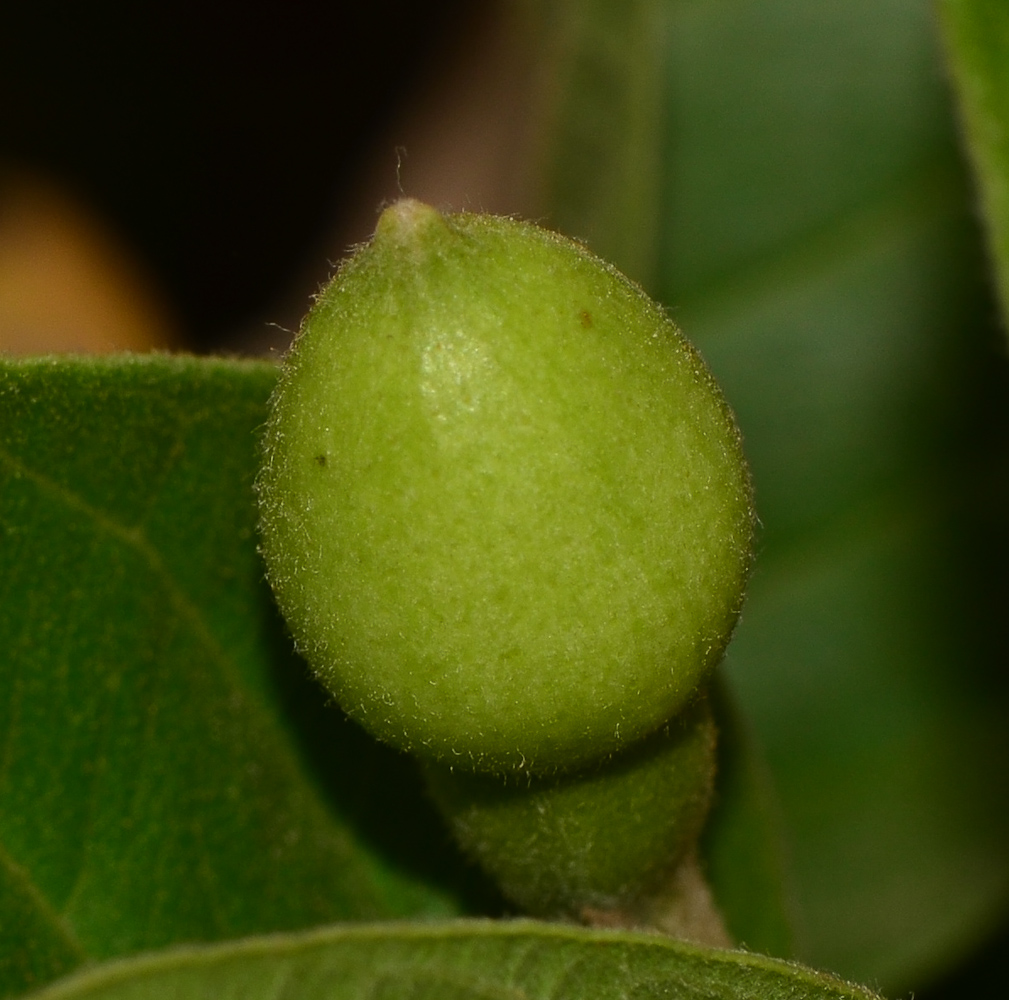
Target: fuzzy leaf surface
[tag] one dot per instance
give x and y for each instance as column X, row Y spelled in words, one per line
column 152, row 790
column 454, row 961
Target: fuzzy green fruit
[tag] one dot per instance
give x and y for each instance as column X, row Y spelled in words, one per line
column 504, row 507
column 602, row 841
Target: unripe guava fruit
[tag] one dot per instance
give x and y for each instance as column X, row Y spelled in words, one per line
column 504, row 506
column 605, row 839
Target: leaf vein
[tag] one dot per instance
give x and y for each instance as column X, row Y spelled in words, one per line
column 187, row 611
column 17, row 874
column 138, row 541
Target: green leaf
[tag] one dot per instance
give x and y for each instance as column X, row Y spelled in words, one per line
column 601, row 166
column 153, row 785
column 454, row 961
column 818, row 245
column 742, row 846
column 821, row 254
column 977, row 42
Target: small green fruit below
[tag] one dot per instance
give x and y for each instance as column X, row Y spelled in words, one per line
column 603, row 841
column 504, row 507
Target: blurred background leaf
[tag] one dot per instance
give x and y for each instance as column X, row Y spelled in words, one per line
column 977, row 42
column 743, row 852
column 816, row 240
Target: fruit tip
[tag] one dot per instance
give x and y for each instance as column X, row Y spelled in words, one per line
column 405, row 219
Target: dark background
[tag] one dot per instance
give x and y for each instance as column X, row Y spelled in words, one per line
column 218, row 138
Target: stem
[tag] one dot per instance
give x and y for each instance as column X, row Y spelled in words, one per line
column 685, row 909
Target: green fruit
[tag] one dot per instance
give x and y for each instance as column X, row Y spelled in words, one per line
column 504, row 507
column 603, row 841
